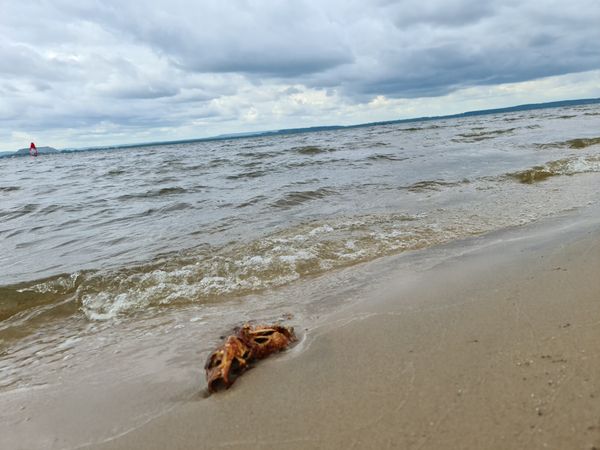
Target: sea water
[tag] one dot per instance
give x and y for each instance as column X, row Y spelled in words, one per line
column 159, row 245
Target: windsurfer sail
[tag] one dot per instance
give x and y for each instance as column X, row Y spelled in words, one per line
column 33, row 150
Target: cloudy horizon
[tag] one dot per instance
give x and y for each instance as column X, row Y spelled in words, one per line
column 92, row 73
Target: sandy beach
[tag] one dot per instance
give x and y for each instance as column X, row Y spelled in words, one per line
column 495, row 348
column 384, row 214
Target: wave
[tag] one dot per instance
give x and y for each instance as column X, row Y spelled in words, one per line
column 567, row 166
column 433, row 185
column 577, row 143
column 210, row 274
column 583, row 142
column 483, row 135
column 217, row 162
column 163, row 192
column 50, row 209
column 248, row 174
column 260, row 155
column 214, row 274
column 299, row 197
column 20, row 211
column 252, row 201
column 18, row 300
column 431, row 127
column 386, row 157
column 312, row 150
column 9, row 188
column 115, row 172
column 314, row 162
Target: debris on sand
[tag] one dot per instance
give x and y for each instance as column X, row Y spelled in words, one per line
column 249, row 343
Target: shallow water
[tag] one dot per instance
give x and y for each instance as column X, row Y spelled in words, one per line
column 108, row 245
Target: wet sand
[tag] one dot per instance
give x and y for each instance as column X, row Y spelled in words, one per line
column 488, row 343
column 495, row 349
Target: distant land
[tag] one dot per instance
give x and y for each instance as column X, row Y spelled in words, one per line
column 41, row 151
column 526, row 107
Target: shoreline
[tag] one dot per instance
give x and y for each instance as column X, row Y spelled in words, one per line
column 487, row 343
column 493, row 349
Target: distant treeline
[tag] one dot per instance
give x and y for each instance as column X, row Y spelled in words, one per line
column 527, row 107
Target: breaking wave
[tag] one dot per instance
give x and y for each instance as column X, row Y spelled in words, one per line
column 433, row 185
column 298, row 197
column 583, row 142
column 209, row 275
column 567, row 166
column 578, row 143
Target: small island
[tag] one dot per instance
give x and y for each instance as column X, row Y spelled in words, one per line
column 41, row 151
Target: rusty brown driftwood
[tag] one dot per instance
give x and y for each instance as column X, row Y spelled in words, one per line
column 249, row 343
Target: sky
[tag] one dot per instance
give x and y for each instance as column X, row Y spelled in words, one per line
column 78, row 73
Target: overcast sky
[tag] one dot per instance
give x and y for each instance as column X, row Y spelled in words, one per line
column 82, row 72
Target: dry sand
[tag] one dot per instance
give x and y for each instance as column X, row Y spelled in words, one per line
column 494, row 349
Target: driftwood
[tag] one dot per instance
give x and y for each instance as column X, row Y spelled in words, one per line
column 249, row 343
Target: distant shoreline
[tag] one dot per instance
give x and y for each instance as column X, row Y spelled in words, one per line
column 517, row 108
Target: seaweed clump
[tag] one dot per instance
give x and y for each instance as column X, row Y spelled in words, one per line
column 249, row 343
column 533, row 175
column 583, row 143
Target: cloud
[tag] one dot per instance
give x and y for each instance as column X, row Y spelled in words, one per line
column 432, row 50
column 186, row 68
column 448, row 13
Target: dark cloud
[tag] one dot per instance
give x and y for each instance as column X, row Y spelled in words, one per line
column 437, row 47
column 449, row 13
column 262, row 37
column 274, row 62
column 67, row 63
column 140, row 91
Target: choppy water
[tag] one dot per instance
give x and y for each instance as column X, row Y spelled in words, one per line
column 90, row 241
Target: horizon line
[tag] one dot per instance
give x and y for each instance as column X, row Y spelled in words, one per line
column 317, row 128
